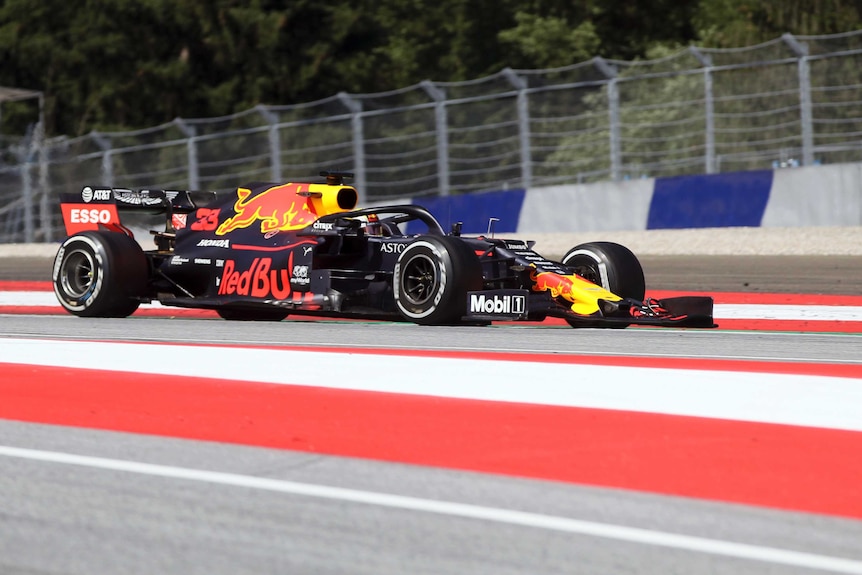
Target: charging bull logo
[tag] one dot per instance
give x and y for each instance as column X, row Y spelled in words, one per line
column 583, row 295
column 559, row 286
column 277, row 208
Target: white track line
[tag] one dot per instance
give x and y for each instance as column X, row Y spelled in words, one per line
column 804, row 400
column 520, row 518
column 43, row 299
column 788, row 312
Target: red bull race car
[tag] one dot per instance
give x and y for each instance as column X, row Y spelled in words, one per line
column 267, row 250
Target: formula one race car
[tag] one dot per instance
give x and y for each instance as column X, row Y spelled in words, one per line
column 268, row 250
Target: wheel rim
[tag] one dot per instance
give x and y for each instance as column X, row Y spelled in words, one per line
column 586, row 268
column 419, row 280
column 78, row 274
column 589, row 273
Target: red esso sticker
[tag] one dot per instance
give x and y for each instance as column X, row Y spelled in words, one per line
column 80, row 217
column 89, row 216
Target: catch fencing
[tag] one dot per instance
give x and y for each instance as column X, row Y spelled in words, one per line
column 796, row 100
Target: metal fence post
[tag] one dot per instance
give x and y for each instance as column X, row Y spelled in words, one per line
column 805, row 114
column 274, row 142
column 27, row 190
column 613, row 116
column 441, row 126
column 354, row 106
column 104, row 144
column 709, row 112
column 45, row 217
column 523, row 126
column 44, row 210
column 27, row 181
column 191, row 152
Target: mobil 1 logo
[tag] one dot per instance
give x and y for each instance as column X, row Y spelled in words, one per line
column 497, row 304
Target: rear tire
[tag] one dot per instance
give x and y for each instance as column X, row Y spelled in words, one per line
column 431, row 280
column 100, row 274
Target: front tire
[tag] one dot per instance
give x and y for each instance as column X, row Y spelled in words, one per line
column 610, row 265
column 432, row 277
column 100, row 274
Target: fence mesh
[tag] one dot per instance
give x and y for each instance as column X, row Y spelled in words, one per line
column 795, row 100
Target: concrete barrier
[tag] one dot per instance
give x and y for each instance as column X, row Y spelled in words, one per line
column 788, row 197
column 816, row 196
column 601, row 206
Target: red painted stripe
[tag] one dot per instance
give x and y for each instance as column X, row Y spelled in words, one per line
column 804, row 326
column 767, row 298
column 17, row 285
column 786, row 467
column 272, row 248
column 31, row 309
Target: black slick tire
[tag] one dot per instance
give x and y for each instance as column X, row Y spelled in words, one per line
column 432, row 277
column 610, row 265
column 100, row 274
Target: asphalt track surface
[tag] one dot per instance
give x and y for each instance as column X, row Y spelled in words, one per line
column 97, row 516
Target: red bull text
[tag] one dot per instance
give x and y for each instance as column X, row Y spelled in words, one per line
column 260, row 280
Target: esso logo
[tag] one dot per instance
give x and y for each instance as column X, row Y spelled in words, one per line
column 89, row 216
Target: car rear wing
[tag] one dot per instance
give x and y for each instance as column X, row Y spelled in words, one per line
column 99, row 207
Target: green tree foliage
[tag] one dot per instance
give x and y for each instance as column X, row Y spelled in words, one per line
column 734, row 23
column 123, row 64
column 548, row 42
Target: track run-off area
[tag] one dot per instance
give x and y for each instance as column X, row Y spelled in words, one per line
column 760, row 418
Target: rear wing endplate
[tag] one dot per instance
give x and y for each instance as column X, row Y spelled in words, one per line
column 98, row 207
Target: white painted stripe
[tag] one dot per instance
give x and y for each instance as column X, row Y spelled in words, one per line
column 520, row 518
column 788, row 312
column 34, row 298
column 805, row 400
column 40, row 299
column 721, row 311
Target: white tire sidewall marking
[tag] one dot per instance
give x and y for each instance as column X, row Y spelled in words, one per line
column 77, row 305
column 603, row 268
column 441, row 287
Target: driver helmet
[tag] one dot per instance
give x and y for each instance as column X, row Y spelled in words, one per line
column 373, row 227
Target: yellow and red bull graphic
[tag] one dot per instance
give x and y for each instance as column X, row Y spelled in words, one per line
column 584, row 295
column 286, row 207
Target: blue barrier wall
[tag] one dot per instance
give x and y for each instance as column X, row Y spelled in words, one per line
column 474, row 210
column 710, row 201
